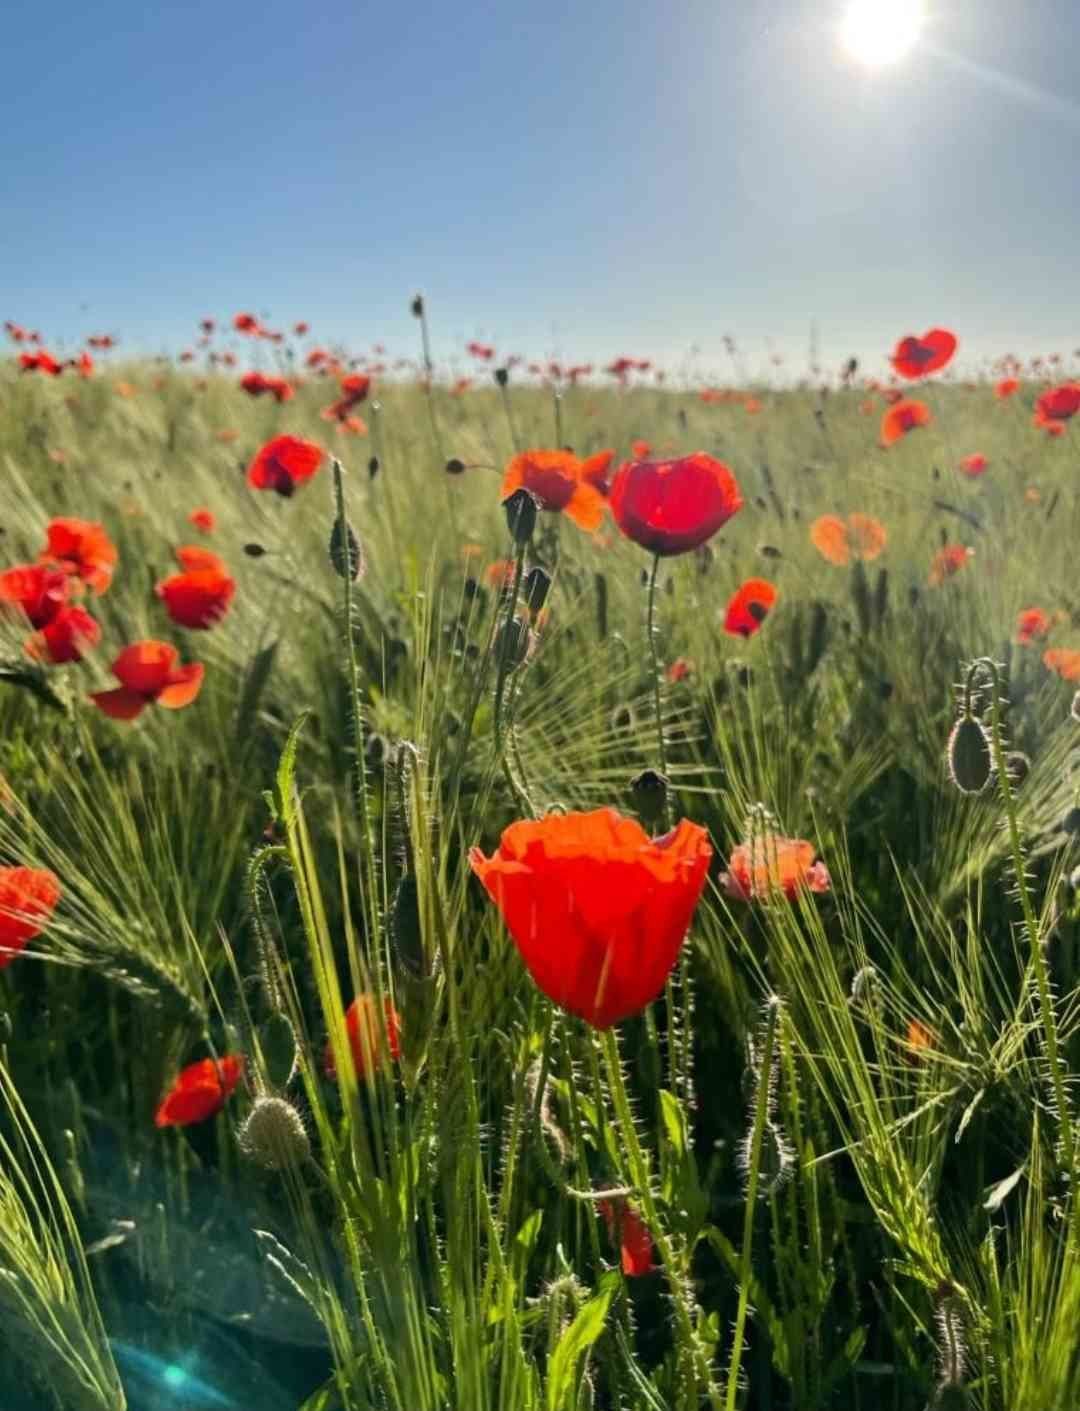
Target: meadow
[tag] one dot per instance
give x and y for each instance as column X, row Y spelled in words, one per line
column 322, row 1090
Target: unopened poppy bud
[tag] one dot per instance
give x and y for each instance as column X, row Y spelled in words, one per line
column 345, row 552
column 254, row 551
column 502, row 377
column 968, row 756
column 273, row 1134
column 777, row 1159
column 521, row 509
column 417, row 306
column 513, row 643
column 1017, row 767
column 866, row 990
column 536, row 586
column 649, row 790
column 277, row 1040
column 373, row 467
column 455, row 466
column 1071, row 822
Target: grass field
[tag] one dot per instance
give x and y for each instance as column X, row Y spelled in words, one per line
column 834, row 1163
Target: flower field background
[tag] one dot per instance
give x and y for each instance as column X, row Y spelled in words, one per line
column 536, row 890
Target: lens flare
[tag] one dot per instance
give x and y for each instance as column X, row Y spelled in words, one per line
column 880, row 32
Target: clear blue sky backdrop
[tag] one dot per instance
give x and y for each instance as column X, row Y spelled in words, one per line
column 579, row 178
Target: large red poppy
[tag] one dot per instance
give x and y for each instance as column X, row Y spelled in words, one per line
column 1059, row 404
column 149, row 675
column 40, row 591
column 769, row 864
column 916, row 357
column 82, row 549
column 367, row 1036
column 283, row 464
column 597, row 909
column 28, row 897
column 199, row 597
column 903, row 417
column 630, row 1232
column 670, row 507
column 199, row 1091
column 749, row 606
column 557, row 480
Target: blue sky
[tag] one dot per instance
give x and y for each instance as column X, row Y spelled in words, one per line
column 580, row 179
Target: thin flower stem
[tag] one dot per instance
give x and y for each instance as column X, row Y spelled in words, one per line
column 509, row 417
column 654, row 658
column 761, row 1110
column 504, row 654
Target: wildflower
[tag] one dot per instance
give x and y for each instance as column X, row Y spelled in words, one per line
column 597, row 909
column 1065, row 661
column 919, row 1041
column 246, row 323
column 670, row 507
column 947, row 561
column 199, row 1091
column 640, row 450
column 1057, row 405
column 367, row 1036
column 299, row 329
column 198, row 597
column 1006, row 388
column 67, row 638
column 905, row 416
column 149, row 675
column 916, row 357
column 39, row 590
column 860, row 536
column 256, row 383
column 354, row 388
column 283, row 464
column 769, row 863
column 749, row 606
column 40, row 362
column 680, row 669
column 203, row 520
column 28, row 898
column 273, row 1134
column 627, row 1229
column 973, row 465
column 81, row 549
column 554, row 478
column 483, row 351
column 1032, row 625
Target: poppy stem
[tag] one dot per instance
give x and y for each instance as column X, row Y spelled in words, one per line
column 657, row 703
column 505, row 650
column 556, row 400
column 509, row 417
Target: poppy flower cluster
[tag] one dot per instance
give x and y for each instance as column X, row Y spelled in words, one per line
column 200, row 595
column 354, row 388
column 63, row 631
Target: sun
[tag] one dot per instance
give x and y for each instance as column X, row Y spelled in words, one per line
column 880, row 32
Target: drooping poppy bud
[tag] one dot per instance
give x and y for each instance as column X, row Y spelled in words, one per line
column 417, row 306
column 502, row 377
column 455, row 466
column 346, row 555
column 968, row 755
column 513, row 642
column 521, row 510
column 649, row 790
column 536, row 587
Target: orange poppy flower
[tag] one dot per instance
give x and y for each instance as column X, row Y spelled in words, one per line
column 752, row 406
column 1032, row 625
column 860, row 536
column 1006, row 387
column 903, row 417
column 671, row 507
column 629, row 1231
column 283, row 464
column 199, row 1091
column 500, row 573
column 555, row 478
column 149, row 675
column 28, row 897
column 199, row 597
column 354, row 388
column 916, row 357
column 596, row 471
column 67, row 638
column 81, row 549
column 770, row 863
column 366, row 1036
column 919, row 1041
column 37, row 589
column 947, row 561
column 597, row 909
column 974, row 465
column 1065, row 661
column 203, row 520
column 679, row 670
column 749, row 606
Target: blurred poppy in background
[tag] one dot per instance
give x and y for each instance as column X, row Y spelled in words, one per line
column 149, row 675
column 860, row 536
column 749, row 606
column 200, row 1091
column 81, row 549
column 916, row 357
column 28, row 898
column 903, row 417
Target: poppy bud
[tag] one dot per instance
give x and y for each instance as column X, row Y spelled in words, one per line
column 968, row 756
column 770, row 551
column 373, row 467
column 417, row 306
column 502, row 377
column 1071, row 822
column 649, row 790
column 622, row 718
column 536, row 585
column 866, row 990
column 254, row 551
column 521, row 510
column 454, row 466
column 277, row 1040
column 345, row 552
column 513, row 642
column 1017, row 767
column 273, row 1135
column 776, row 1161
column 405, row 933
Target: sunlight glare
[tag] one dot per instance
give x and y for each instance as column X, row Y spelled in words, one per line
column 880, row 32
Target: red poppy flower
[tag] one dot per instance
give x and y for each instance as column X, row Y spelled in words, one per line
column 200, row 1091
column 84, row 364
column 974, row 465
column 1006, row 387
column 41, row 362
column 300, row 328
column 679, row 670
column 1052, row 428
column 770, row 863
column 1032, row 625
column 283, row 464
column 860, row 536
column 256, row 383
column 483, row 351
column 246, row 323
column 1065, row 661
column 555, row 478
column 354, row 388
column 67, row 638
column 81, row 549
column 670, row 507
column 903, row 417
column 40, row 591
column 149, row 675
column 947, row 561
column 199, row 597
column 629, row 1231
column 203, row 520
column 1058, row 404
column 749, row 606
column 366, row 1036
column 28, row 897
column 597, row 909
column 916, row 357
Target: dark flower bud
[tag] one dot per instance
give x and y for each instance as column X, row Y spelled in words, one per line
column 513, row 642
column 345, row 552
column 454, row 466
column 277, row 1040
column 373, row 467
column 770, row 551
column 472, row 590
column 1017, row 767
column 254, row 551
column 968, row 756
column 649, row 790
column 536, row 586
column 417, row 306
column 521, row 510
column 1071, row 822
column 502, row 377
column 405, row 932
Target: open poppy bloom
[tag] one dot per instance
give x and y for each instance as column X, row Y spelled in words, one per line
column 199, row 597
column 750, row 605
column 1032, row 625
column 1065, row 661
column 860, row 536
column 81, row 549
column 67, row 638
column 903, row 417
column 671, row 507
column 769, row 864
column 149, row 675
column 629, row 1231
column 367, row 1036
column 200, row 1091
column 1057, row 405
column 1006, row 387
column 597, row 909
column 203, row 520
column 354, row 388
column 283, row 464
column 916, row 357
column 28, row 897
column 40, row 362
column 974, row 465
column 256, row 383
column 484, row 351
column 947, row 561
column 556, row 479
column 37, row 589
column 246, row 323
column 596, row 471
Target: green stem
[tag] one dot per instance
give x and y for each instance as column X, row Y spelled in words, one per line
column 655, row 660
column 504, row 655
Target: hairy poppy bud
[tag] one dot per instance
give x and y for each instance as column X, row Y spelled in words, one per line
column 417, row 306
column 273, row 1134
column 521, row 509
column 254, row 551
column 1071, row 822
column 1017, row 767
column 502, row 377
column 454, row 466
column 649, row 790
column 536, row 585
column 277, row 1040
column 513, row 642
column 866, row 990
column 968, row 756
column 345, row 552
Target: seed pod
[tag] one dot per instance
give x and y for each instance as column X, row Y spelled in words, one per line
column 777, row 1160
column 417, row 306
column 254, row 551
column 968, row 756
column 277, row 1040
column 649, row 790
column 536, row 586
column 373, row 467
column 345, row 552
column 502, row 376
column 521, row 509
column 273, row 1135
column 513, row 642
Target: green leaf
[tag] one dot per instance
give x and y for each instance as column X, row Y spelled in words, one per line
column 529, row 1233
column 575, row 1343
column 285, row 783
